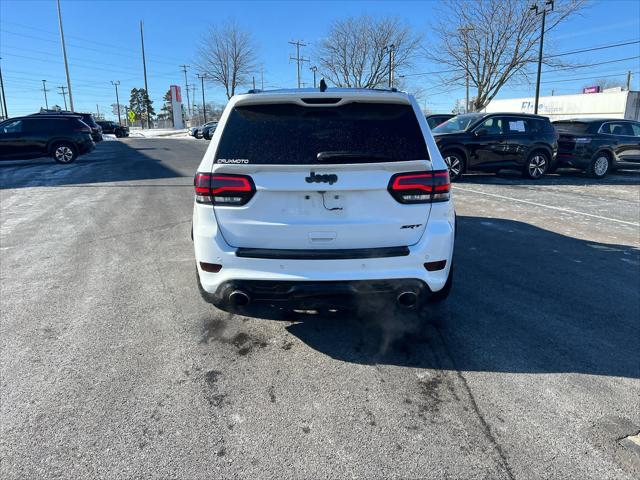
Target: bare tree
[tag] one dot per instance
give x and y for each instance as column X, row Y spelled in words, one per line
column 499, row 39
column 355, row 52
column 227, row 56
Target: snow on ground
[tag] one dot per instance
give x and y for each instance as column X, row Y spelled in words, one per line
column 159, row 132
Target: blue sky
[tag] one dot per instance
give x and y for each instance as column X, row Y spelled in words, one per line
column 103, row 44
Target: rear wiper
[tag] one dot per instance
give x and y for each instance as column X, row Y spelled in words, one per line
column 348, row 155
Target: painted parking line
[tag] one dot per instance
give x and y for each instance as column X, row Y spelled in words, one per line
column 550, row 207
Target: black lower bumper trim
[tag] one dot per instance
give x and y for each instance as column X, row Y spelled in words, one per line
column 310, row 293
column 331, row 254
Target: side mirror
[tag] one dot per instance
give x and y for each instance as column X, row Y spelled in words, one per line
column 480, row 132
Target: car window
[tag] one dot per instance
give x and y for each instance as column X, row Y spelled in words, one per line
column 635, row 127
column 37, row 126
column 295, row 134
column 458, row 123
column 12, row 127
column 536, row 125
column 572, row 127
column 493, row 126
column 617, row 128
column 516, row 125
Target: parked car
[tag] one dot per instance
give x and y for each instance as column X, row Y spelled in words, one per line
column 192, row 131
column 436, row 119
column 114, row 128
column 200, row 129
column 598, row 145
column 96, row 130
column 207, row 132
column 62, row 137
column 353, row 203
column 494, row 141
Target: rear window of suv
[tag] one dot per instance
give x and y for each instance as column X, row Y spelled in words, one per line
column 573, row 127
column 292, row 134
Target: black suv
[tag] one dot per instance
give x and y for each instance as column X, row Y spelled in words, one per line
column 96, row 130
column 598, row 145
column 112, row 127
column 63, row 137
column 494, row 141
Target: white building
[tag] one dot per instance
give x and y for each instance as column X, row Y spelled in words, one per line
column 612, row 103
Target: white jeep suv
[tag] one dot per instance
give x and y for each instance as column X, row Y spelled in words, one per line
column 308, row 199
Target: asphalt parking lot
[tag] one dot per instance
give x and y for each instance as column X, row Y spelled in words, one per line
column 113, row 367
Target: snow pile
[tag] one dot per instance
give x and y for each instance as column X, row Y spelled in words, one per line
column 158, row 132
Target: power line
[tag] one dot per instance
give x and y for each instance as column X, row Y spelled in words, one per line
column 587, row 78
column 590, row 49
column 573, row 67
column 593, row 49
column 84, row 47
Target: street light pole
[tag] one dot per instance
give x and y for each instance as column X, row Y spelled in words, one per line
column 204, row 108
column 314, row 69
column 4, row 98
column 540, row 11
column 115, row 84
column 465, row 32
column 391, row 49
column 64, row 54
column 44, row 89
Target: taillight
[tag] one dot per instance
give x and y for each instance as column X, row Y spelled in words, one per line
column 223, row 189
column 420, row 187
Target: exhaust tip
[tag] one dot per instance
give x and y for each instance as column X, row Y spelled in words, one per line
column 239, row 298
column 407, row 299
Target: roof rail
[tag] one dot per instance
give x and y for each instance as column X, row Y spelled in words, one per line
column 254, row 90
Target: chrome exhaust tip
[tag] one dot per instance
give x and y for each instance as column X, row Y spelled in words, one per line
column 239, row 298
column 407, row 299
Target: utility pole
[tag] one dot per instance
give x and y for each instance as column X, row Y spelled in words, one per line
column 261, row 78
column 98, row 110
column 186, row 86
column 254, row 82
column 465, row 33
column 193, row 96
column 144, row 66
column 391, row 49
column 64, row 54
column 115, row 84
column 4, row 98
column 64, row 95
column 541, row 11
column 204, row 106
column 299, row 60
column 314, row 69
column 44, row 89
column 628, row 80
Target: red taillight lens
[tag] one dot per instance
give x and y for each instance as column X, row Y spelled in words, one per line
column 420, row 187
column 223, row 189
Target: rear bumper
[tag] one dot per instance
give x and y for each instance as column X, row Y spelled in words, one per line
column 573, row 159
column 436, row 244
column 310, row 295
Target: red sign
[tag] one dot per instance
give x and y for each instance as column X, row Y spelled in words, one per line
column 175, row 93
column 594, row 89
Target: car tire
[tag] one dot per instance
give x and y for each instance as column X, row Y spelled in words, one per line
column 64, row 152
column 118, row 134
column 536, row 166
column 599, row 166
column 455, row 164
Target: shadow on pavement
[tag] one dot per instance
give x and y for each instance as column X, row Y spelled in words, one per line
column 524, row 300
column 562, row 177
column 111, row 161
